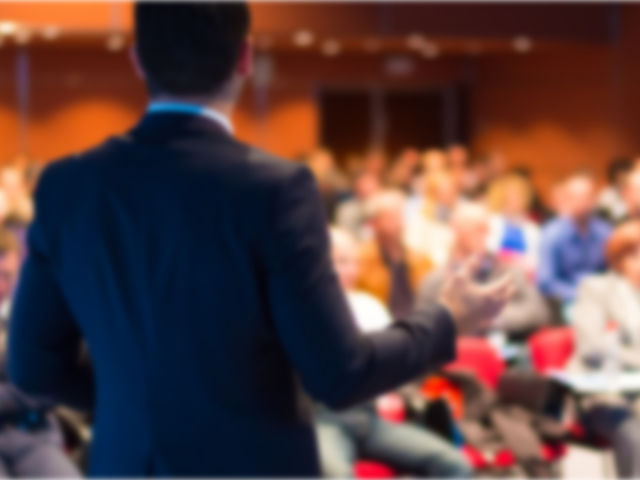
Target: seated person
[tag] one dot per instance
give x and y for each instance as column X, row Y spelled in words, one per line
column 427, row 229
column 572, row 245
column 611, row 202
column 630, row 196
column 526, row 311
column 391, row 270
column 607, row 310
column 31, row 443
column 513, row 234
column 351, row 214
column 359, row 431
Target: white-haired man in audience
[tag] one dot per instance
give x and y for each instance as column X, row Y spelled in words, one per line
column 526, row 311
column 359, row 431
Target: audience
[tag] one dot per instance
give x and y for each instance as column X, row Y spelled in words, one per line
column 572, row 244
column 31, row 442
column 513, row 234
column 402, row 171
column 611, row 202
column 331, row 182
column 630, row 196
column 607, row 326
column 351, row 214
column 391, row 270
column 428, row 230
column 526, row 312
column 345, row 436
column 399, row 227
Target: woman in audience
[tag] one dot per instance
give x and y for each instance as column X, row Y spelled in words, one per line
column 606, row 317
column 513, row 235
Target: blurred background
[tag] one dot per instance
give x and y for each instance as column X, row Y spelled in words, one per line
column 436, row 132
column 549, row 85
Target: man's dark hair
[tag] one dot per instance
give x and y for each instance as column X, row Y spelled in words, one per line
column 189, row 48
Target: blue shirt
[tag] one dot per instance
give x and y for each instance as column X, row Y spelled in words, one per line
column 568, row 254
column 513, row 239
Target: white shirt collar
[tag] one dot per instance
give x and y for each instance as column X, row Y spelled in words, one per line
column 193, row 109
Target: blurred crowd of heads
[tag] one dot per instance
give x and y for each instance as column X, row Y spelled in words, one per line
column 460, row 195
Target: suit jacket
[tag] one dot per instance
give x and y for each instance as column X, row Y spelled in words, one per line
column 375, row 276
column 601, row 299
column 197, row 270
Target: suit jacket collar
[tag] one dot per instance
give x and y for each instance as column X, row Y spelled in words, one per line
column 162, row 127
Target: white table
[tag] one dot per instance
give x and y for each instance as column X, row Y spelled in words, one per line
column 597, row 382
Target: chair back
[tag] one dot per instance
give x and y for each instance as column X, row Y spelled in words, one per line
column 478, row 356
column 551, row 348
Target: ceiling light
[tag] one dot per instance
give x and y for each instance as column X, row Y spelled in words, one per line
column 50, row 32
column 331, row 48
column 415, row 41
column 303, row 38
column 522, row 44
column 8, row 28
column 22, row 36
column 115, row 42
column 430, row 50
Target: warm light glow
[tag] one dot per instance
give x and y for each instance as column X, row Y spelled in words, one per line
column 22, row 36
column 8, row 28
column 522, row 44
column 50, row 32
column 115, row 42
column 430, row 50
column 415, row 41
column 331, row 48
column 303, row 38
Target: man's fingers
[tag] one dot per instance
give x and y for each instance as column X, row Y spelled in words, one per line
column 470, row 267
column 502, row 286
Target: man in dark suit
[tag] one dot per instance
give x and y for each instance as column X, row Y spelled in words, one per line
column 196, row 269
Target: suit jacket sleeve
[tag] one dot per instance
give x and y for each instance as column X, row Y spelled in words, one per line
column 337, row 365
column 45, row 345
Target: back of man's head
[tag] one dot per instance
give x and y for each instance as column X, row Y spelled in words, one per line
column 190, row 49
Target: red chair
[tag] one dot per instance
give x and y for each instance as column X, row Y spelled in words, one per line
column 370, row 469
column 390, row 406
column 475, row 458
column 551, row 348
column 478, row 356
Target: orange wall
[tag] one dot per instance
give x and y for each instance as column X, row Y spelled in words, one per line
column 549, row 110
